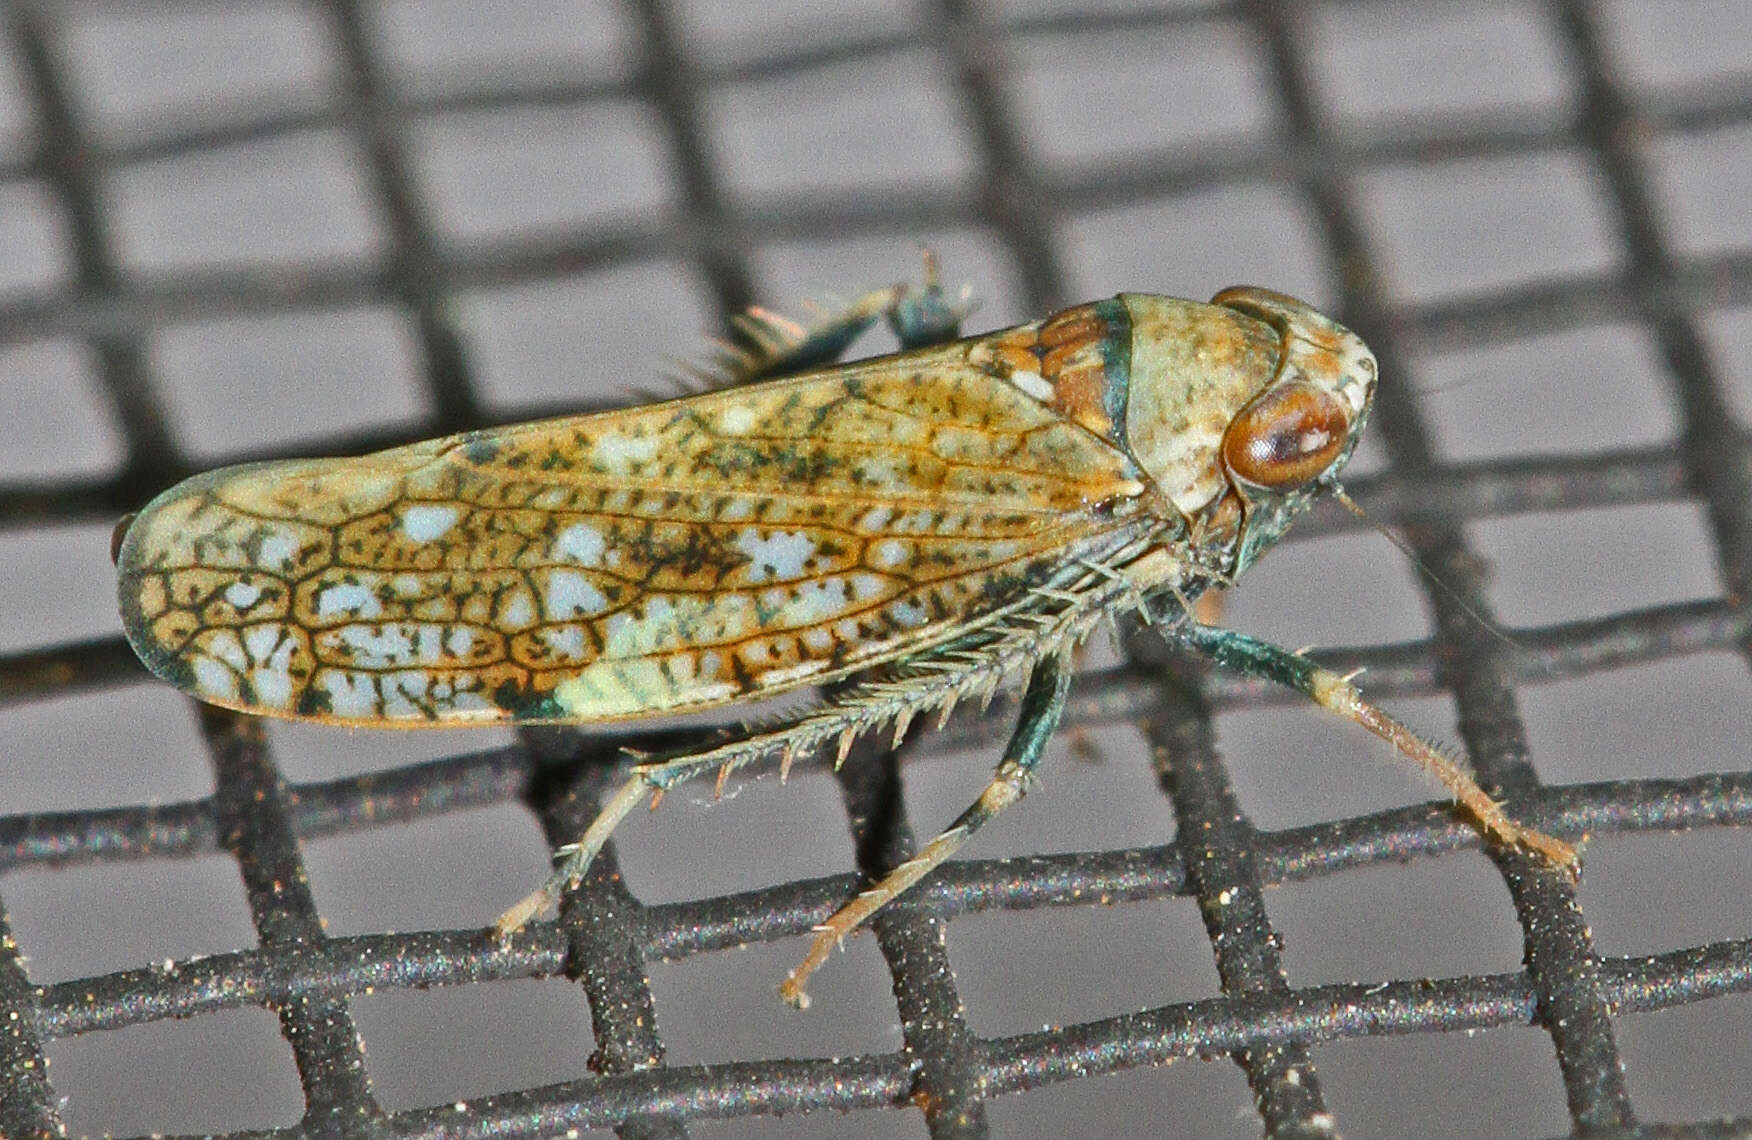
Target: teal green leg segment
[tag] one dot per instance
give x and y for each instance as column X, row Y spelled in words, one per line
column 820, row 344
column 920, row 317
column 1252, row 657
column 1249, row 656
column 924, row 317
column 1042, row 704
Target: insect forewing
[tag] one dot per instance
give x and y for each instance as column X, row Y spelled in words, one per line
column 608, row 566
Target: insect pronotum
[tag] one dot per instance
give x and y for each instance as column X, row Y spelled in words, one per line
column 930, row 524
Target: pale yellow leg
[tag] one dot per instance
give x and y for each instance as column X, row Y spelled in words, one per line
column 1041, row 706
column 1342, row 697
column 1256, row 658
column 575, row 858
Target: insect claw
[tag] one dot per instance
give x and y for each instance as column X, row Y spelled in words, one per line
column 723, row 775
column 931, row 270
column 520, row 915
column 847, row 737
column 656, row 797
column 786, row 758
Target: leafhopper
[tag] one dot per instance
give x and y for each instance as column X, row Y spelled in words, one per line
column 924, row 527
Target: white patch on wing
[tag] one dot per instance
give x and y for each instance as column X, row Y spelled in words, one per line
column 565, row 642
column 404, row 695
column 781, row 556
column 213, row 679
column 1032, row 384
column 271, row 680
column 890, row 553
column 571, row 594
column 877, row 471
column 868, row 586
column 277, row 549
column 224, row 646
column 790, row 674
column 736, row 419
column 517, row 610
column 468, row 705
column 347, row 599
column 620, row 454
column 429, row 644
column 916, row 522
column 813, row 603
column 271, row 690
column 908, row 614
column 352, row 696
column 425, row 522
column 617, row 688
column 261, row 641
column 372, row 647
column 397, row 645
column 242, row 595
column 655, row 627
column 580, row 543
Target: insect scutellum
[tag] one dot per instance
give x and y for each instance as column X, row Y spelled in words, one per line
column 929, row 524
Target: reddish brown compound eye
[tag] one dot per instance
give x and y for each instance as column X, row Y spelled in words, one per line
column 1286, row 437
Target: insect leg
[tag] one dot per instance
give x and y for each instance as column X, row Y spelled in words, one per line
column 575, row 858
column 1042, row 703
column 923, row 317
column 861, row 708
column 1255, row 658
column 772, row 346
column 933, row 682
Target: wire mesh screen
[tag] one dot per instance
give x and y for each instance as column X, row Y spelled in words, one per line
column 235, row 231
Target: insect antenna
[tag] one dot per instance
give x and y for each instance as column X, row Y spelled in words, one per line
column 1404, row 548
